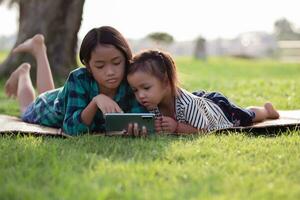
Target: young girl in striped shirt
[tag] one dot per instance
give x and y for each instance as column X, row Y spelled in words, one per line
column 153, row 78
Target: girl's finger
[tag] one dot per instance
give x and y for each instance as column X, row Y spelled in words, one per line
column 104, row 110
column 129, row 129
column 124, row 132
column 159, row 118
column 157, row 127
column 165, row 124
column 157, row 123
column 144, row 131
column 136, row 129
column 113, row 108
column 117, row 108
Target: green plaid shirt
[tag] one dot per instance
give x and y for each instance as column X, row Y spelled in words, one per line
column 62, row 107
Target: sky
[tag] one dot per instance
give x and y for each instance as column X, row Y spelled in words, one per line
column 183, row 19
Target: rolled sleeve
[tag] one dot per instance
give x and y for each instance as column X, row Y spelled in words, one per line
column 74, row 125
column 76, row 102
column 196, row 116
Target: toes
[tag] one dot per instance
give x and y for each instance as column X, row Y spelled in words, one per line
column 273, row 113
column 39, row 38
column 30, row 45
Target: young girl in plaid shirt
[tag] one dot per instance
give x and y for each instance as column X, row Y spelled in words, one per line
column 87, row 94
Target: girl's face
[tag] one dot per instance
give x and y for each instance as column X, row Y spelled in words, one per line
column 107, row 65
column 149, row 90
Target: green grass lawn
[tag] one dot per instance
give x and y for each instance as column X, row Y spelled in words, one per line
column 228, row 166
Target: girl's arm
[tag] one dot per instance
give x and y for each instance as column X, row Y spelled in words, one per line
column 102, row 102
column 168, row 124
column 88, row 114
column 183, row 128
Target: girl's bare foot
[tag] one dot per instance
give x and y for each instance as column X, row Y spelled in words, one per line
column 272, row 112
column 32, row 45
column 11, row 85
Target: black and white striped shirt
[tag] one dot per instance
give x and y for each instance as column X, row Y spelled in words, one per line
column 198, row 112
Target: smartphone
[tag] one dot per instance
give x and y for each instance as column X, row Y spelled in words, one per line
column 117, row 122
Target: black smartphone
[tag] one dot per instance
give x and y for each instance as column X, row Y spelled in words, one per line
column 116, row 123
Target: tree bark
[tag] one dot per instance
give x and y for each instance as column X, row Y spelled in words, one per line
column 59, row 21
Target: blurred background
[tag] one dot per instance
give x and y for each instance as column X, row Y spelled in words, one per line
column 200, row 28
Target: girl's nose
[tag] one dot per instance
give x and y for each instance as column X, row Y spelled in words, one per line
column 141, row 95
column 110, row 71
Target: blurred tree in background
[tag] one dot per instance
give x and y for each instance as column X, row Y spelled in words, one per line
column 284, row 30
column 161, row 37
column 59, row 21
column 200, row 48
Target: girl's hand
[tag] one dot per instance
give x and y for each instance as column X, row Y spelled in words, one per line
column 106, row 104
column 135, row 130
column 157, row 124
column 168, row 124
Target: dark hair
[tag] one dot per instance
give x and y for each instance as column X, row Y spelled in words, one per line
column 104, row 35
column 160, row 64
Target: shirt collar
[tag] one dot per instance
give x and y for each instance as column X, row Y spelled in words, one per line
column 121, row 91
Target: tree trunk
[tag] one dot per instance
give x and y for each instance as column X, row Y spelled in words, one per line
column 200, row 49
column 59, row 21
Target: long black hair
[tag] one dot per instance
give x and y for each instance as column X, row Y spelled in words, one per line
column 104, row 35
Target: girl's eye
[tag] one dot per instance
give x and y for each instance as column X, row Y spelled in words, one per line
column 99, row 67
column 117, row 63
column 147, row 88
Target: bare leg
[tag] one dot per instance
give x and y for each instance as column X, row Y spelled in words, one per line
column 263, row 113
column 19, row 85
column 37, row 48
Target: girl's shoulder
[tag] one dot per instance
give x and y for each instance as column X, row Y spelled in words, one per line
column 80, row 72
column 80, row 80
column 186, row 98
column 81, row 76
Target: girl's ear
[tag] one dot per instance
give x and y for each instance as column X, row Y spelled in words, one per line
column 166, row 81
column 87, row 66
